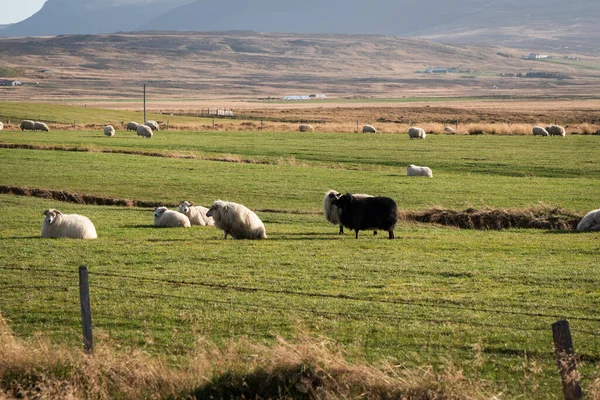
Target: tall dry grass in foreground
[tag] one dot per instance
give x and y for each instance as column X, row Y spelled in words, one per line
column 312, row 368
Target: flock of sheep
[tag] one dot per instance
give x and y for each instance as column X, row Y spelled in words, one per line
column 145, row 130
column 358, row 212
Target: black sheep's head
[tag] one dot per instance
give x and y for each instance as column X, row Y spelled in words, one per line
column 344, row 201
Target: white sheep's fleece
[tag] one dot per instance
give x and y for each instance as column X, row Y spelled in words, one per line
column 414, row 170
column 236, row 220
column 196, row 214
column 74, row 226
column 165, row 218
column 416, row 133
column 590, row 222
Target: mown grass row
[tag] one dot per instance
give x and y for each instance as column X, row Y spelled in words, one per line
column 434, row 294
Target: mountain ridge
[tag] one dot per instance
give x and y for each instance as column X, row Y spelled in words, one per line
column 548, row 24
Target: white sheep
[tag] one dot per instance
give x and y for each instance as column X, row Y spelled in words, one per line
column 556, row 130
column 40, row 126
column 132, row 126
column 449, row 129
column 1, row 126
column 236, row 220
column 369, row 129
column 74, row 226
column 153, row 125
column 109, row 131
column 416, row 133
column 413, row 170
column 27, row 125
column 196, row 214
column 539, row 131
column 332, row 212
column 590, row 222
column 163, row 217
column 306, row 128
column 145, row 131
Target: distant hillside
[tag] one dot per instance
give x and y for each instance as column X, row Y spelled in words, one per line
column 58, row 17
column 542, row 25
column 257, row 65
column 546, row 23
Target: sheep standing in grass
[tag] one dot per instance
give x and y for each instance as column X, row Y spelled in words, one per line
column 416, row 133
column 196, row 214
column 539, row 131
column 332, row 212
column 236, row 220
column 109, row 131
column 27, row 125
column 306, row 128
column 132, row 126
column 145, row 131
column 556, row 130
column 414, row 170
column 163, row 217
column 153, row 125
column 590, row 222
column 40, row 126
column 1, row 126
column 74, row 226
column 369, row 129
column 369, row 213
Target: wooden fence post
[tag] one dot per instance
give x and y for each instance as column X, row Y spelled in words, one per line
column 213, row 124
column 86, row 310
column 566, row 359
column 261, row 124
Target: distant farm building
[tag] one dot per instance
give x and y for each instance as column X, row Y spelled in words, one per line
column 7, row 82
column 304, row 97
column 535, row 56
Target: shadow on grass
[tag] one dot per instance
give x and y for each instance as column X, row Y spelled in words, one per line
column 21, row 237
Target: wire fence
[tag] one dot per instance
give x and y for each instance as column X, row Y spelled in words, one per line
column 168, row 315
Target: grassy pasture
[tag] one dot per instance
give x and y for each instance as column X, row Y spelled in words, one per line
column 63, row 114
column 434, row 294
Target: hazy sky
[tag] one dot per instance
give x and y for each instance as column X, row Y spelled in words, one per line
column 14, row 11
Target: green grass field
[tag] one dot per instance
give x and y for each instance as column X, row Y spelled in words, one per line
column 62, row 114
column 432, row 295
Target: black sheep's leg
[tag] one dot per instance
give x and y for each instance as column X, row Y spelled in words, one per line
column 341, row 229
column 374, row 233
column 357, row 233
column 391, row 234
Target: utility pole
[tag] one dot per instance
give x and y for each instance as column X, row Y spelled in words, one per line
column 144, row 103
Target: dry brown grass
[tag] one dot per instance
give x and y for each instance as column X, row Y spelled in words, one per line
column 310, row 368
column 538, row 217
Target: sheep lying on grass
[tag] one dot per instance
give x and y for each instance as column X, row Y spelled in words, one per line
column 27, row 125
column 145, row 131
column 109, row 131
column 1, row 126
column 369, row 213
column 556, row 130
column 414, row 170
column 369, row 129
column 539, row 131
column 590, row 222
column 306, row 128
column 236, row 220
column 132, row 126
column 332, row 212
column 40, row 126
column 196, row 214
column 74, row 226
column 449, row 129
column 165, row 218
column 416, row 133
column 153, row 125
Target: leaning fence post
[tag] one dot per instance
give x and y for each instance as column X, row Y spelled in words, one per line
column 86, row 310
column 566, row 359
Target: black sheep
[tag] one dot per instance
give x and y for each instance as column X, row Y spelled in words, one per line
column 367, row 213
